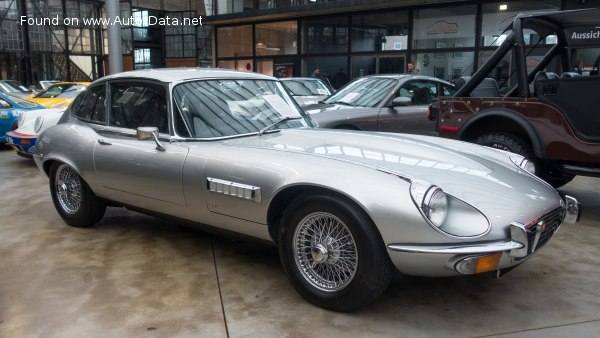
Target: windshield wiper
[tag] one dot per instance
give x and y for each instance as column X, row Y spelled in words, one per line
column 278, row 122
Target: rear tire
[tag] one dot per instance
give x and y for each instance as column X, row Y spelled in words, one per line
column 332, row 253
column 75, row 202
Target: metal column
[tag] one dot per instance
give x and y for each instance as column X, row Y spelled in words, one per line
column 115, row 53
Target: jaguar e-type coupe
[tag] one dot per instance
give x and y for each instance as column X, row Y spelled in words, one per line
column 231, row 151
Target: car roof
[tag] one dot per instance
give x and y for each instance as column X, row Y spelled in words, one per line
column 183, row 74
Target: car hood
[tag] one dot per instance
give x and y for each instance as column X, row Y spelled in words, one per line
column 475, row 174
column 50, row 102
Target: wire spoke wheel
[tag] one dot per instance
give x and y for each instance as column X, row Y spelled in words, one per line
column 69, row 190
column 325, row 251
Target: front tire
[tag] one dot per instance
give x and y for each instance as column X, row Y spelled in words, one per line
column 508, row 142
column 332, row 253
column 75, row 202
column 504, row 141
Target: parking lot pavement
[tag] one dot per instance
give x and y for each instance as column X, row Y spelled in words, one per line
column 138, row 276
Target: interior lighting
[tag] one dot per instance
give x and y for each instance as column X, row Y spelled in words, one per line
column 503, row 7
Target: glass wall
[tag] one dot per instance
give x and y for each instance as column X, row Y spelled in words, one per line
column 440, row 39
column 277, row 38
column 234, row 41
column 325, row 35
column 444, row 65
column 496, row 16
column 444, row 27
column 380, row 32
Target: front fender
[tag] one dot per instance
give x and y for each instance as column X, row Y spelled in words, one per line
column 513, row 116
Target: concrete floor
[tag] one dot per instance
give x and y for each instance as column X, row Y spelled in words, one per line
column 137, row 276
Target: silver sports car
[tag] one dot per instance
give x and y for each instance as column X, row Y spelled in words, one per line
column 231, row 151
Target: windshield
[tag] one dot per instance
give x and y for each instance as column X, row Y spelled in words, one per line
column 218, row 108
column 364, row 92
column 306, row 87
column 23, row 103
column 16, row 86
column 67, row 90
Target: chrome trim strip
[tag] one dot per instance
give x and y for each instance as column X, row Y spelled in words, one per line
column 234, row 189
column 457, row 249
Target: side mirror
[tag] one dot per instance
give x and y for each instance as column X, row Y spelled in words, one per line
column 401, row 101
column 149, row 133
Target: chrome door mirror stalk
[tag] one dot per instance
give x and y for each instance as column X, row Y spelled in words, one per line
column 147, row 133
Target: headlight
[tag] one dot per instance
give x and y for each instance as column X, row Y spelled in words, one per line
column 523, row 163
column 448, row 214
column 38, row 124
column 20, row 120
column 436, row 206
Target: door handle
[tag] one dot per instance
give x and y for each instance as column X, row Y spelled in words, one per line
column 104, row 142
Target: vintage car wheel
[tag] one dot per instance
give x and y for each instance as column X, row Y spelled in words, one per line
column 73, row 198
column 332, row 253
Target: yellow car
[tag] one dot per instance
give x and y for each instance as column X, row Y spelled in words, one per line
column 58, row 95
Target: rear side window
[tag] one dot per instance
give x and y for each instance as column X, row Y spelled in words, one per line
column 91, row 104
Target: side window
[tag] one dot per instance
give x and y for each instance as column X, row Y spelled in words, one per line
column 91, row 104
column 448, row 90
column 420, row 92
column 138, row 104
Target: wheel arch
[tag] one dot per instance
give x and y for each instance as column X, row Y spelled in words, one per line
column 502, row 120
column 285, row 196
column 48, row 162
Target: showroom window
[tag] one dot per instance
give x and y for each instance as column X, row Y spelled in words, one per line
column 496, row 16
column 234, row 41
column 243, row 65
column 444, row 65
column 326, row 35
column 444, row 27
column 328, row 66
column 277, row 38
column 380, row 31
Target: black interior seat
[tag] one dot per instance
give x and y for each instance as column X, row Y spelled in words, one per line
column 487, row 88
column 539, row 76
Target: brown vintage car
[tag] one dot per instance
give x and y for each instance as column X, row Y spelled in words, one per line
column 551, row 119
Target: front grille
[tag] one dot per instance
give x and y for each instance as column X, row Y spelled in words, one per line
column 546, row 226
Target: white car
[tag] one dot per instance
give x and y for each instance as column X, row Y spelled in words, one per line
column 31, row 124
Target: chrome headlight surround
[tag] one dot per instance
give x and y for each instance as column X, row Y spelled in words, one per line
column 523, row 163
column 446, row 213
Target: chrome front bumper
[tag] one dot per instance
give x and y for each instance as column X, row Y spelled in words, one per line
column 524, row 241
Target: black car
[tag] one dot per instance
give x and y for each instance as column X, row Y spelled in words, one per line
column 391, row 103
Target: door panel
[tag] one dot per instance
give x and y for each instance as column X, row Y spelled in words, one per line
column 135, row 173
column 413, row 118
